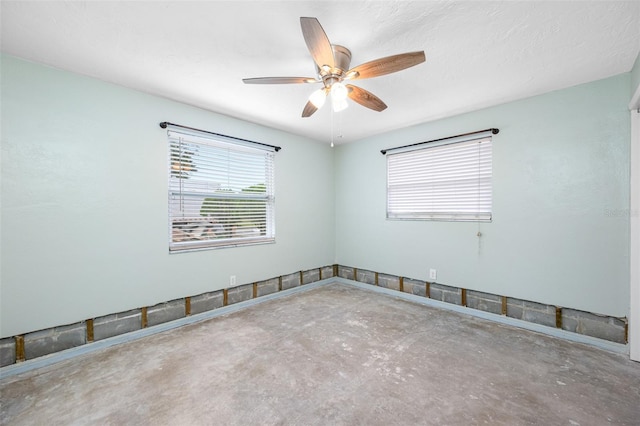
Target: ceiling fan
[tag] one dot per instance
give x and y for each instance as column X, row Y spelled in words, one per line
column 332, row 66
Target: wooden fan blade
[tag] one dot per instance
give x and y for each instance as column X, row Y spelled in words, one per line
column 317, row 42
column 365, row 98
column 309, row 109
column 279, row 80
column 386, row 65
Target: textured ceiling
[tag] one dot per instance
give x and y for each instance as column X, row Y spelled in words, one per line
column 478, row 53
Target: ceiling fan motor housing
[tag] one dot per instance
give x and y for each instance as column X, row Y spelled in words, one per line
column 342, row 61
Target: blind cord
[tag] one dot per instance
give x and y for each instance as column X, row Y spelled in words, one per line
column 479, row 234
column 181, row 176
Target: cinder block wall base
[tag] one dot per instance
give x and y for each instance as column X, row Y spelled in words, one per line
column 39, row 343
column 44, row 342
column 585, row 323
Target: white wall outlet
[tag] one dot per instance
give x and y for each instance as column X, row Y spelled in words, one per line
column 232, row 280
column 433, row 274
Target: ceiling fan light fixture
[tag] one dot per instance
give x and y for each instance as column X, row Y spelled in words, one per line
column 338, row 104
column 318, row 98
column 339, row 92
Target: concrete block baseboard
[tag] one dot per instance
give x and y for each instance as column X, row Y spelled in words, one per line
column 606, row 332
column 36, row 344
column 585, row 323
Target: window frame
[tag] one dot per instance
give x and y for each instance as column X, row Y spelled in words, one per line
column 420, row 190
column 233, row 204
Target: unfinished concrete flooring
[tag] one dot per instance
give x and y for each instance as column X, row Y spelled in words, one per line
column 329, row 356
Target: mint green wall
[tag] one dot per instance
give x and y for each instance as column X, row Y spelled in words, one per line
column 84, row 223
column 560, row 234
column 84, row 203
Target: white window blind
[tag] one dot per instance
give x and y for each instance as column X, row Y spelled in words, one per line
column 221, row 192
column 449, row 182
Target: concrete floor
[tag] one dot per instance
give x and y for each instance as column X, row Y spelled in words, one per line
column 329, row 356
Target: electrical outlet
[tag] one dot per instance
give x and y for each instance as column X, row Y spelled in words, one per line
column 433, row 274
column 232, row 280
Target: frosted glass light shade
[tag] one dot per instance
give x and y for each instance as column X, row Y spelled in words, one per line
column 339, row 95
column 339, row 91
column 318, row 98
column 338, row 104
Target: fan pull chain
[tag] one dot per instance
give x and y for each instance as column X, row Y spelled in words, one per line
column 332, row 127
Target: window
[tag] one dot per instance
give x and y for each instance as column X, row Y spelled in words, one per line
column 450, row 181
column 221, row 191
